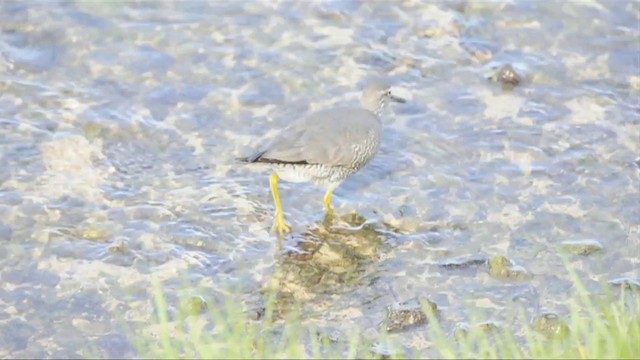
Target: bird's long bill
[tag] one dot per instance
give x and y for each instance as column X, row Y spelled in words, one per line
column 397, row 99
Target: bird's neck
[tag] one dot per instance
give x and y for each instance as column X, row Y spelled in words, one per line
column 375, row 107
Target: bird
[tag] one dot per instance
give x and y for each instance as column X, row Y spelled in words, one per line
column 325, row 147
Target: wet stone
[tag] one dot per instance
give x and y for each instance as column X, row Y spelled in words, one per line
column 462, row 263
column 408, row 314
column 502, row 268
column 581, row 247
column 328, row 256
column 507, row 76
column 626, row 283
column 551, row 326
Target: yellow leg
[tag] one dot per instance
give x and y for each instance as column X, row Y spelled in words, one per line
column 327, row 201
column 280, row 226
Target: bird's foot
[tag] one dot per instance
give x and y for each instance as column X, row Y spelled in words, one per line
column 329, row 211
column 280, row 227
column 329, row 218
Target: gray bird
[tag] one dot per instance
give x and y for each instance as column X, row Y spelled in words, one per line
column 326, row 147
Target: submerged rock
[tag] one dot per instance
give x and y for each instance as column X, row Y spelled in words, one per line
column 507, row 76
column 502, row 268
column 551, row 326
column 626, row 283
column 581, row 247
column 328, row 257
column 404, row 315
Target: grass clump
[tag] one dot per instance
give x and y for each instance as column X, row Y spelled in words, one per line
column 602, row 326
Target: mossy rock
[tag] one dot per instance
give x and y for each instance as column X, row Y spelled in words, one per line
column 551, row 326
column 502, row 268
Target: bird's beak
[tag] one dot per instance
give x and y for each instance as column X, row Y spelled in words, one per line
column 397, row 99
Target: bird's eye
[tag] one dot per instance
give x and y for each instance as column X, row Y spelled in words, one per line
column 388, row 93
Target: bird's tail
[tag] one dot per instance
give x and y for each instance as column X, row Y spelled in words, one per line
column 250, row 159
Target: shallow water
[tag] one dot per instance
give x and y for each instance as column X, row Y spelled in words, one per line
column 120, row 122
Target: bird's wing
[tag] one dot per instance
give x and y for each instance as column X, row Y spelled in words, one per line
column 327, row 137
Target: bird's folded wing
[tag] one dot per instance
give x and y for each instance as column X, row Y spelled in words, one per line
column 326, row 138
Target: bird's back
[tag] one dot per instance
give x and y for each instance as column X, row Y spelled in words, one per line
column 340, row 137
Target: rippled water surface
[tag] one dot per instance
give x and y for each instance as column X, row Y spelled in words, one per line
column 120, row 122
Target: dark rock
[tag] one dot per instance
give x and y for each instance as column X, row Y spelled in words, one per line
column 404, row 315
column 507, row 76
